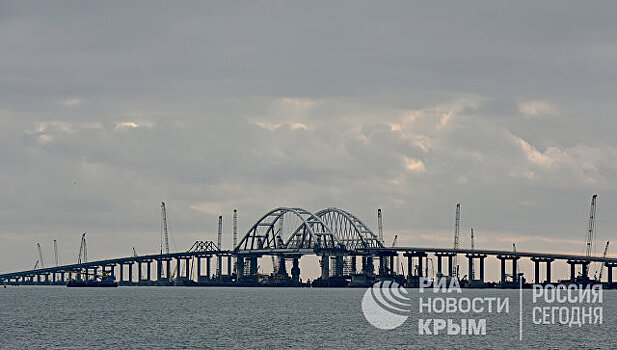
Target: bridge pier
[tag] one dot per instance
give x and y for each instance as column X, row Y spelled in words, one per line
column 130, row 279
column 253, row 268
column 584, row 269
column 325, row 267
column 239, row 268
column 470, row 259
column 338, row 265
column 514, row 260
column 418, row 271
column 229, row 265
column 537, row 260
column 368, row 267
column 295, row 270
column 609, row 270
column 451, row 268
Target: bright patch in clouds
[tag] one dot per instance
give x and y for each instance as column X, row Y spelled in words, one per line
column 132, row 125
column 414, row 165
column 548, row 158
column 71, row 102
column 537, row 108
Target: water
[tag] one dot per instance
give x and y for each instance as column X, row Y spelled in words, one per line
column 166, row 317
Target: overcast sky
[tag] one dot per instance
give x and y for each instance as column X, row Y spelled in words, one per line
column 108, row 108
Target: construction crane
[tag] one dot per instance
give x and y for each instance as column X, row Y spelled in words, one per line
column 164, row 229
column 56, row 258
column 457, row 226
column 83, row 250
column 36, row 264
column 380, row 225
column 472, row 273
column 219, row 245
column 603, row 263
column 394, row 242
column 38, row 246
column 235, row 239
column 591, row 227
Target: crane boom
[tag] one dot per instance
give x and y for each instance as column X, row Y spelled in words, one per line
column 472, row 273
column 165, row 232
column 38, row 246
column 394, row 242
column 83, row 250
column 591, row 227
column 56, row 258
column 380, row 225
column 603, row 257
column 457, row 226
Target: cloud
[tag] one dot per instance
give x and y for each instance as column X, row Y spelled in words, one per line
column 552, row 156
column 537, row 108
column 414, row 165
column 72, row 102
column 132, row 125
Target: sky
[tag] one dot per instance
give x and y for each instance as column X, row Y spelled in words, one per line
column 109, row 108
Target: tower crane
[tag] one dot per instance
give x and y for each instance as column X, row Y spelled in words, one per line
column 164, row 227
column 473, row 247
column 591, row 227
column 380, row 225
column 457, row 224
column 38, row 247
column 56, row 258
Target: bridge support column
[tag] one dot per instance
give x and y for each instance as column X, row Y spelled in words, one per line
column 199, row 277
column 392, row 264
column 409, row 265
column 584, row 269
column 208, row 266
column 240, row 267
column 121, row 272
column 482, row 268
column 503, row 269
column 159, row 267
column 325, row 267
column 168, row 270
column 253, row 265
column 219, row 266
column 229, row 265
column 139, row 271
column 382, row 265
column 338, row 265
column 130, row 280
column 295, row 271
column 537, row 260
column 368, row 267
column 187, row 271
column 149, row 271
column 353, row 264
column 609, row 270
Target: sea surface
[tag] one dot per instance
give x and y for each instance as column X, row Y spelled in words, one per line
column 48, row 317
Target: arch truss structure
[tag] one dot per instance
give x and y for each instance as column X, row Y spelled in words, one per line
column 331, row 228
column 268, row 233
column 349, row 230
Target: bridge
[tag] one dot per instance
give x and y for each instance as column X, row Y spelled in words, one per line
column 346, row 246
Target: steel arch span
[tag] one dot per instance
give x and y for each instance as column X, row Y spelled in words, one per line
column 312, row 233
column 349, row 230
